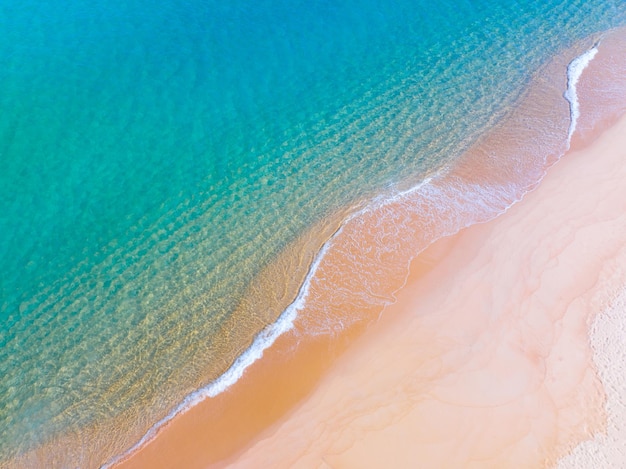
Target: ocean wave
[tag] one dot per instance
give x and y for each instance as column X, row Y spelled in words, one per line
column 574, row 71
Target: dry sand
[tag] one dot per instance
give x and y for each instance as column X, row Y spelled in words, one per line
column 608, row 339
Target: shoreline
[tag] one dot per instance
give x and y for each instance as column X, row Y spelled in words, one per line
column 292, row 342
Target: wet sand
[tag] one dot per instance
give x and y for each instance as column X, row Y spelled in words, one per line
column 484, row 360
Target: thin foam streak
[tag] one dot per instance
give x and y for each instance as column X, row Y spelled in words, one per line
column 261, row 342
column 574, row 71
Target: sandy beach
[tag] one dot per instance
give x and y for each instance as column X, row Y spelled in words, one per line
column 494, row 354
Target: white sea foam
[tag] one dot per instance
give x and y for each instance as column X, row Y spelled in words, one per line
column 574, row 71
column 387, row 199
column 261, row 342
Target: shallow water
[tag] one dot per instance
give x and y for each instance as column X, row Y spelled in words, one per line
column 158, row 161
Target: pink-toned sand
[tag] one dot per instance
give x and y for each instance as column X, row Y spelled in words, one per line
column 485, row 358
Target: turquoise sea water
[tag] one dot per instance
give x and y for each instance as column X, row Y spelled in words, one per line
column 156, row 159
